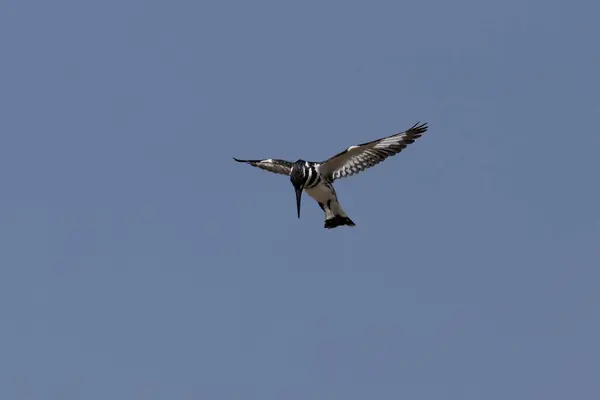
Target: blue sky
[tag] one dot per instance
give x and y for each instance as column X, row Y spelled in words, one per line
column 139, row 261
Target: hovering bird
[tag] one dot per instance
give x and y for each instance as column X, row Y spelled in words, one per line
column 316, row 178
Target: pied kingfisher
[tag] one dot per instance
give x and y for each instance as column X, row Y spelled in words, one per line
column 316, row 178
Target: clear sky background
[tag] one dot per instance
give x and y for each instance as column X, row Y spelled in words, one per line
column 139, row 261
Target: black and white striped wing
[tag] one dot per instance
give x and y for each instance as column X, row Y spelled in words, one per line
column 356, row 159
column 272, row 165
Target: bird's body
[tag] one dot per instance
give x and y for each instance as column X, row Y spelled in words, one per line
column 316, row 178
column 322, row 191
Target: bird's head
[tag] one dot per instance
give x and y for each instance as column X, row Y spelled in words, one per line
column 298, row 178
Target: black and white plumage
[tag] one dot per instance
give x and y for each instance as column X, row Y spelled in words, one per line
column 277, row 166
column 316, row 178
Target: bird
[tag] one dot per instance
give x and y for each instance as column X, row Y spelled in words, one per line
column 316, row 178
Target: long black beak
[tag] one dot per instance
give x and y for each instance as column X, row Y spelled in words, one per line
column 298, row 196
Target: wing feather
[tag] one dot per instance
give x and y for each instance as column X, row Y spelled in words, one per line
column 272, row 165
column 358, row 158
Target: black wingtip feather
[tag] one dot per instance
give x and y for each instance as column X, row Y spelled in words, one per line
column 418, row 128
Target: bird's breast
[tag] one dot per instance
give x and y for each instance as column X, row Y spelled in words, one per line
column 321, row 193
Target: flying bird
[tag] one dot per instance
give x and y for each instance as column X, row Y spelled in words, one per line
column 316, row 178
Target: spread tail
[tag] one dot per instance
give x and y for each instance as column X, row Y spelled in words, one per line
column 335, row 215
column 338, row 220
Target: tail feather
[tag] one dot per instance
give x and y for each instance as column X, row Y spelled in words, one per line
column 338, row 220
column 335, row 215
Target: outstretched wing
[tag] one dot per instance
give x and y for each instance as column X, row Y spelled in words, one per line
column 277, row 166
column 356, row 159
